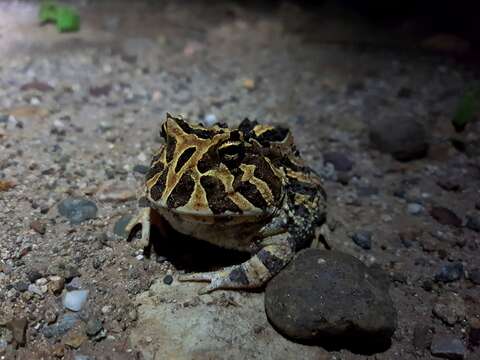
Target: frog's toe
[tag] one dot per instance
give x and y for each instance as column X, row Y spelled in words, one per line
column 200, row 277
column 230, row 278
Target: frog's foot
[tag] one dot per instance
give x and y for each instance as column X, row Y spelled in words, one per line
column 141, row 219
column 253, row 273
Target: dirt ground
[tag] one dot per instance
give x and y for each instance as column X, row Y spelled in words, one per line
column 80, row 116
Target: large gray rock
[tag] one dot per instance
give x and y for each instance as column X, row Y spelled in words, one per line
column 402, row 137
column 174, row 322
column 329, row 294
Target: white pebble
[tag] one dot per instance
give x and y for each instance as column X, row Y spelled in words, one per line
column 414, row 208
column 74, row 300
column 210, row 119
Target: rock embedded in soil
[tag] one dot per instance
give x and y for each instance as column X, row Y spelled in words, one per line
column 77, row 210
column 75, row 300
column 448, row 347
column 450, row 308
column 449, row 273
column 473, row 223
column 339, row 161
column 94, row 326
column 474, row 276
column 323, row 294
column 414, row 209
column 402, row 137
column 61, row 327
column 445, row 216
column 18, row 327
column 363, row 239
column 38, row 226
column 140, row 169
column 422, row 336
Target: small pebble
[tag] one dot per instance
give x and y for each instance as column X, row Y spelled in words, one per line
column 168, row 279
column 414, row 209
column 473, row 223
column 94, row 326
column 450, row 273
column 75, row 300
column 210, row 119
column 474, row 276
column 140, row 169
column 339, row 161
column 445, row 216
column 38, row 226
column 363, row 239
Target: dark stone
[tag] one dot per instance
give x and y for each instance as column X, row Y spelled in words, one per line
column 402, row 137
column 448, row 347
column 450, row 273
column 21, row 286
column 474, row 276
column 449, row 184
column 422, row 336
column 120, row 225
column 61, row 327
column 339, row 161
column 141, row 169
column 477, row 205
column 363, row 239
column 168, row 280
column 33, row 275
column 445, row 216
column 364, row 191
column 38, row 226
column 100, row 90
column 94, row 326
column 474, row 335
column 405, row 93
column 328, row 295
column 473, row 223
column 77, row 210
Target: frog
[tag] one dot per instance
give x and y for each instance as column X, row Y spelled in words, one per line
column 244, row 188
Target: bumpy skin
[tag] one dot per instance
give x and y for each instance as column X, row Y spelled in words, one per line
column 245, row 189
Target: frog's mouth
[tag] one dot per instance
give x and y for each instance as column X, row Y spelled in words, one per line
column 206, row 216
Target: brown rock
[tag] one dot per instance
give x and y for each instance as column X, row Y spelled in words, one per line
column 56, row 284
column 18, row 327
column 38, row 226
column 36, row 85
column 445, row 216
column 75, row 339
column 6, row 185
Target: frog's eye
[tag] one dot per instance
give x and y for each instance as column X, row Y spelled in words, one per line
column 231, row 153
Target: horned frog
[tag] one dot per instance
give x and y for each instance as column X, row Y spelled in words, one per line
column 245, row 189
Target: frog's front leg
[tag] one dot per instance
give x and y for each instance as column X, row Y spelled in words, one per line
column 143, row 219
column 272, row 257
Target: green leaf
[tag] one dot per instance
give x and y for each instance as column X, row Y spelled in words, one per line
column 467, row 109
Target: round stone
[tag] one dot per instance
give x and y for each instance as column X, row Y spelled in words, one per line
column 324, row 294
column 77, row 210
column 402, row 137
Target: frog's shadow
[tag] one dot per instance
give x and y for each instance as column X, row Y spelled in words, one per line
column 191, row 254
